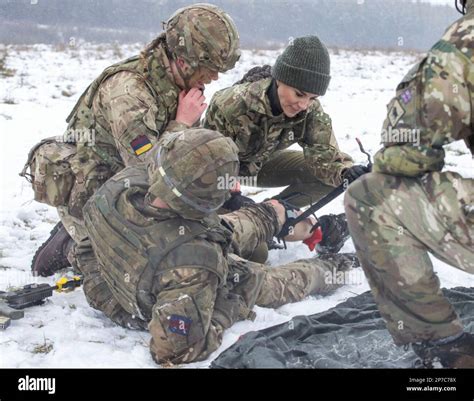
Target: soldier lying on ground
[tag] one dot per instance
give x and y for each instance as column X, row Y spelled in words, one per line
column 123, row 113
column 408, row 208
column 158, row 256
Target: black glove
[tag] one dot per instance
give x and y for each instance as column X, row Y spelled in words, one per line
column 335, row 233
column 236, row 201
column 351, row 174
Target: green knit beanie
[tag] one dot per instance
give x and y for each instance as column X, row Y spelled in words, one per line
column 304, row 65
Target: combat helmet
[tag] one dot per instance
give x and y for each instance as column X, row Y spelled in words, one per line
column 190, row 171
column 203, row 35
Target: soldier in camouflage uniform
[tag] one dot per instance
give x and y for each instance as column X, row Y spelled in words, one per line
column 165, row 259
column 267, row 112
column 408, row 207
column 271, row 109
column 128, row 108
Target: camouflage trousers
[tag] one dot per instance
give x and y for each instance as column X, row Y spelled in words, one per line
column 73, row 225
column 395, row 222
column 289, row 167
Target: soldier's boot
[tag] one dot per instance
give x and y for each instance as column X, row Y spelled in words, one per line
column 342, row 261
column 51, row 256
column 335, row 233
column 458, row 353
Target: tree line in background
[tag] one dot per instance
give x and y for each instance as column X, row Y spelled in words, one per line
column 363, row 24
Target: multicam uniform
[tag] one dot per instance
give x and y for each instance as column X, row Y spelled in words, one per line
column 127, row 110
column 408, row 207
column 179, row 275
column 243, row 113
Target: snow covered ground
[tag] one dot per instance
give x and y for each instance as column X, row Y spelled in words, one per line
column 65, row 331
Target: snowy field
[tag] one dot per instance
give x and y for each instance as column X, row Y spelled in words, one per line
column 34, row 102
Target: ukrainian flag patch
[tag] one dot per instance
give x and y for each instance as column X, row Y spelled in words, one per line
column 141, row 144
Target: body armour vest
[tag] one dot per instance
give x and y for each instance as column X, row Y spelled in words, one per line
column 155, row 77
column 130, row 254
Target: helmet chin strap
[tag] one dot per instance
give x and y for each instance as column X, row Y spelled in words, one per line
column 185, row 77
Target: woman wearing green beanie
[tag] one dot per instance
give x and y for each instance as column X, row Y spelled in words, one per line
column 271, row 109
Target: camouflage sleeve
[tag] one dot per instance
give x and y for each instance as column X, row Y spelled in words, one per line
column 252, row 225
column 187, row 323
column 225, row 115
column 432, row 107
column 448, row 81
column 235, row 126
column 181, row 325
column 321, row 150
column 136, row 121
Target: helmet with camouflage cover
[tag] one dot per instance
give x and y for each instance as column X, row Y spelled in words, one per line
column 203, row 35
column 190, row 169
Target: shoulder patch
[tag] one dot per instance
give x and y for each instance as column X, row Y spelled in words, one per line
column 396, row 112
column 141, row 144
column 406, row 96
column 179, row 324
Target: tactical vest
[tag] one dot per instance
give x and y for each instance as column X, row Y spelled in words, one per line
column 156, row 79
column 129, row 254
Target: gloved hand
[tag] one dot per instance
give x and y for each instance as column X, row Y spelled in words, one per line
column 352, row 173
column 236, row 201
column 335, row 232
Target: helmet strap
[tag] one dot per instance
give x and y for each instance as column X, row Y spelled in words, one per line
column 185, row 77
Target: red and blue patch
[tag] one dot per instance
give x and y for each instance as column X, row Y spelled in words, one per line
column 141, row 144
column 179, row 324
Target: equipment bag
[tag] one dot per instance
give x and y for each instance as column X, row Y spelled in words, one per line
column 50, row 174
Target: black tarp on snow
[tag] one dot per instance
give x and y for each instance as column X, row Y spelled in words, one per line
column 350, row 335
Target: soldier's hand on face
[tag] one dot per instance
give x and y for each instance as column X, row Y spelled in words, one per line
column 190, row 106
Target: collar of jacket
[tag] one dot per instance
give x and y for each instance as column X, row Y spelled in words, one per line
column 272, row 94
column 260, row 103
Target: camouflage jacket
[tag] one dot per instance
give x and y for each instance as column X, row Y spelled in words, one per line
column 433, row 106
column 127, row 108
column 243, row 112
